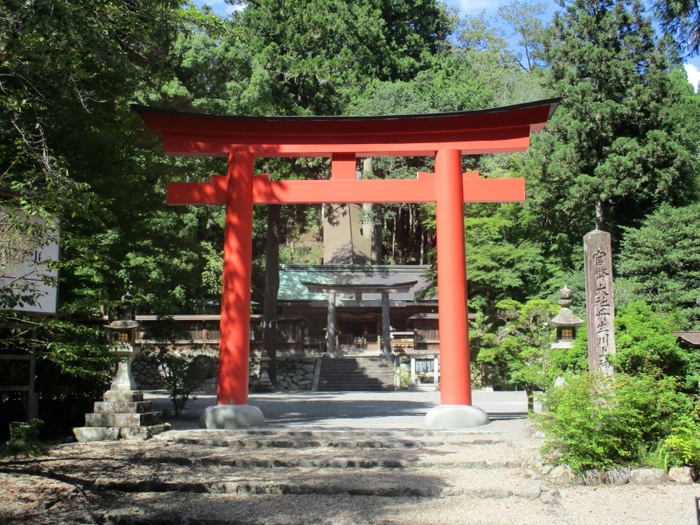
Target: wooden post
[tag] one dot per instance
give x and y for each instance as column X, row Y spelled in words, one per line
column 330, row 330
column 386, row 326
column 235, row 302
column 452, row 280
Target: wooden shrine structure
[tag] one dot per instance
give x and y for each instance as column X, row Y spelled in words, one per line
column 446, row 136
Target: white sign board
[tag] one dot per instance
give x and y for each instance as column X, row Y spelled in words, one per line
column 34, row 269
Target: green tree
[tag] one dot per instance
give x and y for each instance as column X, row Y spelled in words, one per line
column 613, row 152
column 522, row 356
column 682, row 19
column 646, row 345
column 660, row 262
column 59, row 57
column 525, row 20
column 501, row 263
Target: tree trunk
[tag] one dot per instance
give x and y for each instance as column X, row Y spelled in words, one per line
column 530, row 400
column 423, row 234
column 393, row 240
column 599, row 215
column 272, row 283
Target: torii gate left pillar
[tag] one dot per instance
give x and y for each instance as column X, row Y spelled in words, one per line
column 446, row 136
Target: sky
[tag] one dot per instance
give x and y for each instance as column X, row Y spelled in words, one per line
column 474, row 7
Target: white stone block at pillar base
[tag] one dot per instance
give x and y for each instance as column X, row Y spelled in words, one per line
column 231, row 416
column 456, row 416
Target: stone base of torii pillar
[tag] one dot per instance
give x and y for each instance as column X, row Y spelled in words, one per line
column 231, row 416
column 455, row 416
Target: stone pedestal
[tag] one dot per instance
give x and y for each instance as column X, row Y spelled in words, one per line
column 231, row 416
column 455, row 416
column 123, row 414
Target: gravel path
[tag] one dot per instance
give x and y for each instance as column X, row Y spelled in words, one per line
column 476, row 476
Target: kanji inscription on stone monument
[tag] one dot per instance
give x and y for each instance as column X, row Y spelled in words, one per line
column 600, row 305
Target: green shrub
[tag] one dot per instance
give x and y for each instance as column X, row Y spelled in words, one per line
column 681, row 447
column 599, row 422
column 646, row 345
column 404, row 377
column 180, row 375
column 24, row 439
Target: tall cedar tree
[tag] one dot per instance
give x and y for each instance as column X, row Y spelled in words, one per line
column 613, row 153
column 682, row 19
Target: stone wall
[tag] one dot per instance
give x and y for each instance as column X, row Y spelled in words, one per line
column 144, row 370
column 293, row 373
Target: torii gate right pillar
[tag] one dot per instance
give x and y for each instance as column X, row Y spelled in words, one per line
column 455, row 410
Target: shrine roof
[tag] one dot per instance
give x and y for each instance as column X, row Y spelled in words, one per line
column 293, row 277
column 494, row 130
column 691, row 338
column 393, row 288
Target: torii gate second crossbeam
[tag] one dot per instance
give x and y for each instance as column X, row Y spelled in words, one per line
column 445, row 135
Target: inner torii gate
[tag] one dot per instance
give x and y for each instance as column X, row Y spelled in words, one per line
column 447, row 136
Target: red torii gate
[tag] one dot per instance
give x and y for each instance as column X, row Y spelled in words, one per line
column 445, row 135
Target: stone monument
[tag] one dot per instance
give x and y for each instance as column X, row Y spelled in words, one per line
column 600, row 306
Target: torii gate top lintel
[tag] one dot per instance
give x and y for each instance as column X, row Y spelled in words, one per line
column 497, row 130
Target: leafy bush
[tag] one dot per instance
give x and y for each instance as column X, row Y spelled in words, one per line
column 180, row 375
column 682, row 447
column 645, row 343
column 597, row 422
column 24, row 439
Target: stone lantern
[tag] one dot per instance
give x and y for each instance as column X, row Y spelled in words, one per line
column 122, row 413
column 565, row 321
column 122, row 335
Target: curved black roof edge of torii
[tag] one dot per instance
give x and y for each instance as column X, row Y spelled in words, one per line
column 552, row 102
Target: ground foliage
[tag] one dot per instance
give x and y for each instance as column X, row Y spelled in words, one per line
column 599, row 422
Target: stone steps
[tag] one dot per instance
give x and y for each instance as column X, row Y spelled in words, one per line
column 414, row 483
column 340, row 476
column 332, row 462
column 187, row 472
column 399, row 464
column 344, row 439
column 333, row 450
column 356, row 374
